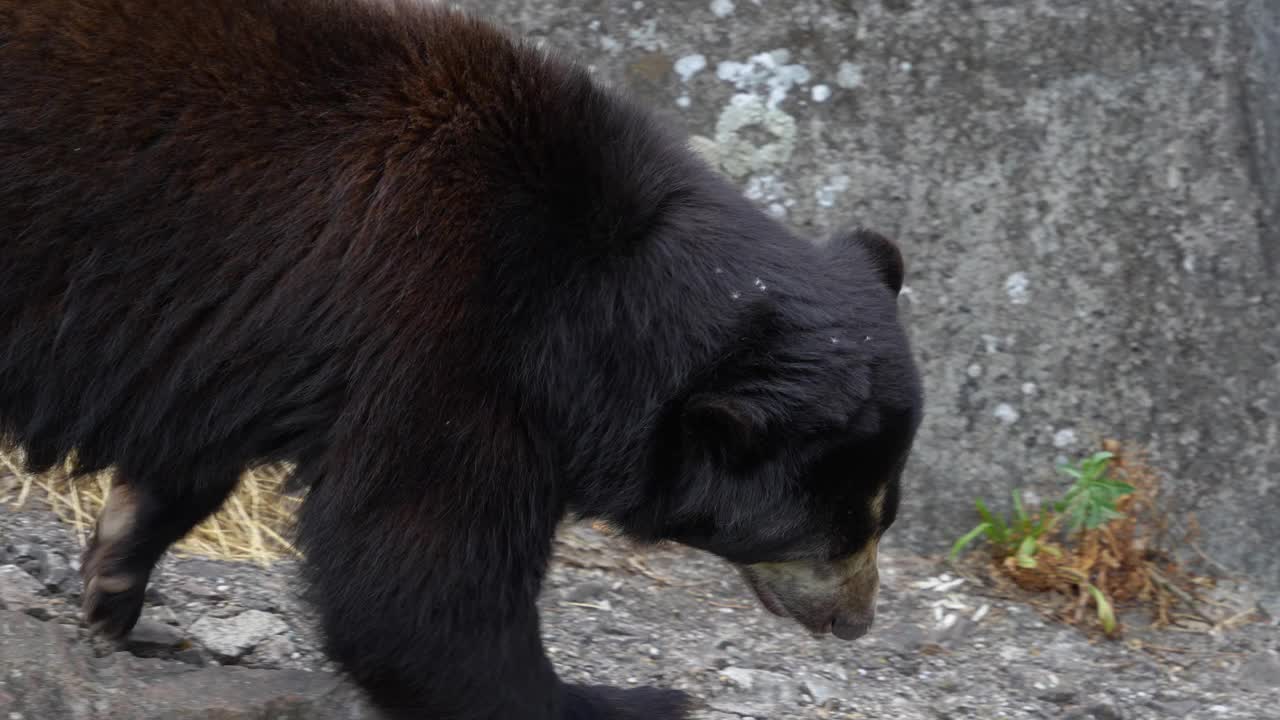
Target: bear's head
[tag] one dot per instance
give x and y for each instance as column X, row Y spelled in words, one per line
column 793, row 445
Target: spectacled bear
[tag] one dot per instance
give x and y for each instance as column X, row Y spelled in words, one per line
column 465, row 290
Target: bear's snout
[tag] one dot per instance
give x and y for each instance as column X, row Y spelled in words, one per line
column 836, row 597
column 851, row 626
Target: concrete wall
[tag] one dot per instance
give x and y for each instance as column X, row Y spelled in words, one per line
column 1087, row 193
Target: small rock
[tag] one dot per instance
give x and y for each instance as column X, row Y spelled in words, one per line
column 1261, row 673
column 586, row 592
column 24, row 555
column 264, row 604
column 232, row 638
column 1034, row 679
column 40, row 613
column 1062, row 652
column 1270, row 606
column 949, row 633
column 904, row 637
column 773, row 686
column 742, row 677
column 836, row 671
column 190, row 656
column 907, row 667
column 1059, row 696
column 612, row 628
column 1175, row 708
column 274, row 651
column 739, row 710
column 1104, row 711
column 49, row 567
column 822, row 691
column 222, row 611
column 55, row 572
column 18, row 590
column 150, row 637
column 195, row 588
column 165, row 614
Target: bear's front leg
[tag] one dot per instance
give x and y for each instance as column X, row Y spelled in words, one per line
column 428, row 600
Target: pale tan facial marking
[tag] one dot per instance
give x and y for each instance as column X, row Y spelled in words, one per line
column 117, row 516
column 877, row 504
column 856, row 575
column 865, row 560
column 862, row 575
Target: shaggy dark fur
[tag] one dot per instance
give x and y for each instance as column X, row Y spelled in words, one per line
column 463, row 287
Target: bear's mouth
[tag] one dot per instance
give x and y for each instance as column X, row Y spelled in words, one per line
column 825, row 598
column 771, row 602
column 766, row 596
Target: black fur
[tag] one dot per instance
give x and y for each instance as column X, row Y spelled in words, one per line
column 462, row 287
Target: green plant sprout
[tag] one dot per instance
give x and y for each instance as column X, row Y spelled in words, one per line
column 1089, row 503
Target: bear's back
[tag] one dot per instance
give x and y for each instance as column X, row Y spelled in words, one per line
column 232, row 210
column 388, row 113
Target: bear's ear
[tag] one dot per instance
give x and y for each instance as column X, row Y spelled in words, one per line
column 882, row 251
column 725, row 424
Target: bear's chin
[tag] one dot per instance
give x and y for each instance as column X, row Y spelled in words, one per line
column 766, row 597
column 771, row 602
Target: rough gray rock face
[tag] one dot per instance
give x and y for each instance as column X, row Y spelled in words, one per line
column 18, row 590
column 1088, row 196
column 47, row 674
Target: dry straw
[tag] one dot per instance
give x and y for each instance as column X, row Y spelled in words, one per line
column 253, row 525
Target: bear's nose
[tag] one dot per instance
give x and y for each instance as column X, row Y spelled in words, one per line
column 851, row 626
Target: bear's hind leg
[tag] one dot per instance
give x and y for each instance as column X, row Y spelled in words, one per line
column 144, row 514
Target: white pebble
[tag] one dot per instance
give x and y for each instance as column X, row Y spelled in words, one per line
column 849, row 76
column 690, row 65
column 982, row 612
column 1015, row 286
column 1006, row 413
column 948, row 585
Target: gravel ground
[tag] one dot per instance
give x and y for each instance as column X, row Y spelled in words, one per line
column 230, row 641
